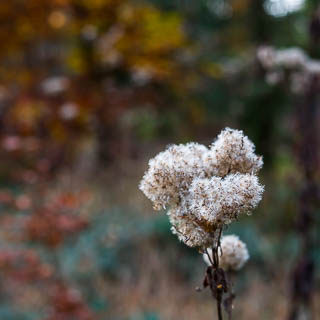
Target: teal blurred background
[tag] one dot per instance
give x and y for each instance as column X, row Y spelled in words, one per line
column 90, row 90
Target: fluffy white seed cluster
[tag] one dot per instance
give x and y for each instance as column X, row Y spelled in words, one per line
column 171, row 173
column 188, row 231
column 288, row 58
column 233, row 254
column 205, row 188
column 293, row 61
column 231, row 152
column 218, row 201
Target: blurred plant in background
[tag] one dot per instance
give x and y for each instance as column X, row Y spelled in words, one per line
column 302, row 75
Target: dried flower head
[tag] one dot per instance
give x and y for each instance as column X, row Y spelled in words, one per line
column 266, row 56
column 188, row 231
column 290, row 58
column 312, row 66
column 171, row 172
column 233, row 254
column 217, row 202
column 294, row 62
column 271, row 58
column 274, row 77
column 205, row 189
column 232, row 152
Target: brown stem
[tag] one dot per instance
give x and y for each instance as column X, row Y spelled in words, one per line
column 219, row 308
column 209, row 257
column 215, row 251
column 215, row 277
column 216, row 266
column 231, row 294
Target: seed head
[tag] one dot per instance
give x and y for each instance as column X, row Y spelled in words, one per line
column 231, row 152
column 233, row 254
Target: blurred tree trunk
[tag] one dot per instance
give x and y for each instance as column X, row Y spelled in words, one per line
column 262, row 121
column 259, row 21
column 302, row 284
column 303, row 273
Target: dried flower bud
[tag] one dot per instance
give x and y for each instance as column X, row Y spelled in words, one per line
column 290, row 58
column 188, row 231
column 313, row 66
column 293, row 62
column 274, row 77
column 233, row 254
column 232, row 152
column 171, row 172
column 218, row 201
column 266, row 56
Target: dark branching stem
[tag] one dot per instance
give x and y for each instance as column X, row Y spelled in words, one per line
column 216, row 266
column 228, row 302
column 209, row 256
column 219, row 309
column 219, row 281
column 215, row 277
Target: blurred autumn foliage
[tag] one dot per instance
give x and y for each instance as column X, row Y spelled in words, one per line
column 89, row 89
column 76, row 67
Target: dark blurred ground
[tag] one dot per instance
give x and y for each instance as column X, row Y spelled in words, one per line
column 89, row 91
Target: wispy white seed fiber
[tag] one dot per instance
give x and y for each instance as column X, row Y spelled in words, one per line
column 188, row 231
column 220, row 201
column 171, row 172
column 231, row 152
column 233, row 254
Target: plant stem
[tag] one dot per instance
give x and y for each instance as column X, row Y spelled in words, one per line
column 219, row 309
column 230, row 286
column 209, row 257
column 215, row 254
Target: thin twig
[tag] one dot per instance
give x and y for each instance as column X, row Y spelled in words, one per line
column 219, row 309
column 210, row 259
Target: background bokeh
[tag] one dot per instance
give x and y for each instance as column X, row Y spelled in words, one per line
column 89, row 91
